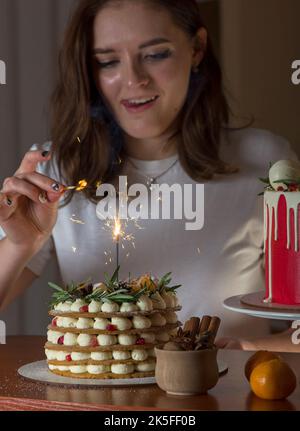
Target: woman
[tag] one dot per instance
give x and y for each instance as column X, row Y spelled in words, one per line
column 140, row 94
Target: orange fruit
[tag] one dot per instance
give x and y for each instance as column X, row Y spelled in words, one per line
column 256, row 359
column 273, row 380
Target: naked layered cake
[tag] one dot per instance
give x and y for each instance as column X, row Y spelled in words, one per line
column 281, row 233
column 109, row 330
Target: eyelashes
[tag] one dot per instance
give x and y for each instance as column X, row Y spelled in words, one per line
column 150, row 57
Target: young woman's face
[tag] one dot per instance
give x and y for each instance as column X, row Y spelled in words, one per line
column 142, row 63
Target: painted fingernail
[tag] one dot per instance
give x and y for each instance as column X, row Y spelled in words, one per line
column 9, row 202
column 45, row 153
column 43, row 197
column 55, row 187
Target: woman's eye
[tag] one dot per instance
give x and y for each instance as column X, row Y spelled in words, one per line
column 153, row 57
column 106, row 64
column 160, row 55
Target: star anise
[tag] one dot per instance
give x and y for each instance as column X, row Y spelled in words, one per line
column 83, row 290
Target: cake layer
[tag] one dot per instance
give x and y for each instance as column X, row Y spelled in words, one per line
column 92, row 331
column 282, row 255
column 73, row 314
column 104, row 375
column 76, row 348
column 115, row 369
column 108, row 362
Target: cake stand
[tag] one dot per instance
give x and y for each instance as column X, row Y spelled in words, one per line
column 252, row 304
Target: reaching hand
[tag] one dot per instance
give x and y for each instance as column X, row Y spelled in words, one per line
column 29, row 202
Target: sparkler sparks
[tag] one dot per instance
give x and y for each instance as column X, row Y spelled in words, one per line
column 82, row 184
column 117, row 233
column 117, row 230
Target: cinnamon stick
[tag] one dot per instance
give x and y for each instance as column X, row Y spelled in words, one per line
column 204, row 324
column 195, row 323
column 213, row 328
column 187, row 326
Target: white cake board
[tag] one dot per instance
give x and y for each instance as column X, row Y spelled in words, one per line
column 38, row 371
column 265, row 311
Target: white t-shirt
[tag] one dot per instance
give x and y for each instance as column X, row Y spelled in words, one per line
column 222, row 259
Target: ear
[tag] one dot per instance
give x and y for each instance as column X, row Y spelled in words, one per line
column 199, row 46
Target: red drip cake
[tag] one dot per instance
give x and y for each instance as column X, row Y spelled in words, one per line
column 281, row 229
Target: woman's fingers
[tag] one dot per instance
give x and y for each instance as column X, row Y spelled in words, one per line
column 7, row 206
column 31, row 159
column 17, row 186
column 45, row 183
column 35, row 186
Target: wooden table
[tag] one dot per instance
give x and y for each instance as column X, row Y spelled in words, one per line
column 231, row 393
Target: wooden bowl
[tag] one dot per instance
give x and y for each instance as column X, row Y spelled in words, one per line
column 186, row 372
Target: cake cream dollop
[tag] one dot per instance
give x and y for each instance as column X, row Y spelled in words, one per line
column 110, row 330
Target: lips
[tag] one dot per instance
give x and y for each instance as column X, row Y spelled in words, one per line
column 139, row 104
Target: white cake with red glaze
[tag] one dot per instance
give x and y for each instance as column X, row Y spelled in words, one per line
column 281, row 233
column 110, row 330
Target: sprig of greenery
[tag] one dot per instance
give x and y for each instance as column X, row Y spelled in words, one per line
column 265, row 180
column 113, row 291
column 163, row 284
column 61, row 294
column 288, row 181
column 112, row 282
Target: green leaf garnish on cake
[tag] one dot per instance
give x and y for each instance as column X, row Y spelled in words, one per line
column 112, row 290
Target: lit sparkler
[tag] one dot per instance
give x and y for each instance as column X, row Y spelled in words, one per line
column 82, row 184
column 117, row 233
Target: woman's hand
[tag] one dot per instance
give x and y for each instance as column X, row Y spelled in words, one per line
column 29, row 203
column 281, row 342
column 229, row 343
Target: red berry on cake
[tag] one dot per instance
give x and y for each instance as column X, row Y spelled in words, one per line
column 140, row 341
column 94, row 341
column 54, row 321
column 111, row 327
column 84, row 309
column 61, row 340
column 68, row 358
column 293, row 188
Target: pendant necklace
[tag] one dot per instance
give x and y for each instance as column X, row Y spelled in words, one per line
column 152, row 179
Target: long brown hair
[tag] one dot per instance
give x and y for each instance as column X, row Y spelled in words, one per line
column 77, row 111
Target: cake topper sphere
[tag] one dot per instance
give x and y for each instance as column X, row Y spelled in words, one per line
column 288, row 170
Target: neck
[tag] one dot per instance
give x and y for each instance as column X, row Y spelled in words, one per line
column 152, row 148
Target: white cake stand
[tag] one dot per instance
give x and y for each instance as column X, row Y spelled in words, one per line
column 252, row 305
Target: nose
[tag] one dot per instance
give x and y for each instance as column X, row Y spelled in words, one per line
column 135, row 75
